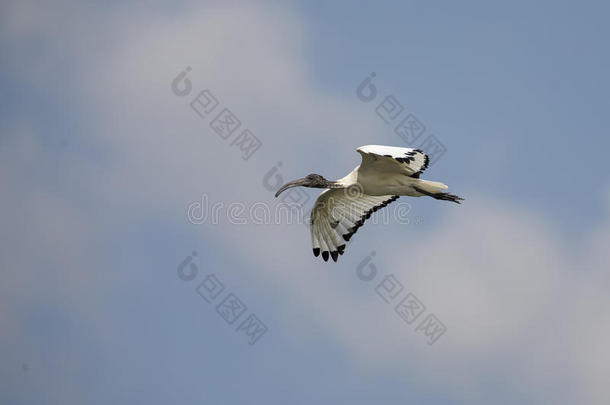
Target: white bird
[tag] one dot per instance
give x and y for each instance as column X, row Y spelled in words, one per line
column 385, row 173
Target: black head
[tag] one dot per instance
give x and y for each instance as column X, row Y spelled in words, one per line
column 311, row 180
column 315, row 180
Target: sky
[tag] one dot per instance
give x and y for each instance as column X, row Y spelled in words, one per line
column 142, row 257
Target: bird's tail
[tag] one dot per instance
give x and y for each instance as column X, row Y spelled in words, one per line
column 433, row 189
column 431, row 186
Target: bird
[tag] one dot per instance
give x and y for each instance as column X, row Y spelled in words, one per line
column 384, row 174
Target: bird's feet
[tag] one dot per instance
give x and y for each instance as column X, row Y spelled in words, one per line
column 441, row 196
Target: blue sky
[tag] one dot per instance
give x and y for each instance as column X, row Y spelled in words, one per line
column 100, row 160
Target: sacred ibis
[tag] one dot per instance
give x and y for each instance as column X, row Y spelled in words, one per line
column 385, row 173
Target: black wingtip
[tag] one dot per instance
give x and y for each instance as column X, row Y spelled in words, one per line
column 316, row 252
column 334, row 255
column 325, row 256
column 341, row 249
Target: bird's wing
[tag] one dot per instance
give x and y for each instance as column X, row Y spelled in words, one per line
column 392, row 159
column 337, row 215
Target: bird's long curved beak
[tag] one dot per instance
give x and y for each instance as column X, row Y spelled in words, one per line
column 296, row 183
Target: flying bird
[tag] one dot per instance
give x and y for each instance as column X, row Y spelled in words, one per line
column 385, row 174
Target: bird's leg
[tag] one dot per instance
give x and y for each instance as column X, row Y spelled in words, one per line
column 440, row 195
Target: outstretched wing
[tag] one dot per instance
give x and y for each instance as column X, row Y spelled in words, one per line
column 337, row 215
column 392, row 159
